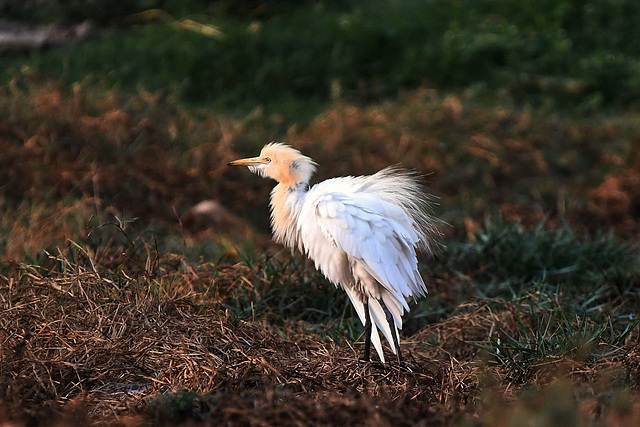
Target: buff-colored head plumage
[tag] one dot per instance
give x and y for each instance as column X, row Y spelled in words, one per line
column 281, row 162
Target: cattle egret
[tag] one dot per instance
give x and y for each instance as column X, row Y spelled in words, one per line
column 362, row 233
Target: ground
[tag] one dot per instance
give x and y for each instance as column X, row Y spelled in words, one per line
column 139, row 284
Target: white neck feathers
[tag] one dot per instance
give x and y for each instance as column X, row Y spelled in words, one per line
column 286, row 203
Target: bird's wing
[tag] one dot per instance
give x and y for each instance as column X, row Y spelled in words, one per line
column 377, row 233
column 339, row 225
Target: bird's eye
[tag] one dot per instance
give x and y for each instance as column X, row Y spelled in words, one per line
column 268, row 159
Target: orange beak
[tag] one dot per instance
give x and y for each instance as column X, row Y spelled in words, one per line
column 252, row 161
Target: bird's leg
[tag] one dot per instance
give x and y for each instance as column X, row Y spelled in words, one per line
column 392, row 326
column 367, row 331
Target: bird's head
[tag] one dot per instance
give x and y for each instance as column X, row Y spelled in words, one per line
column 280, row 162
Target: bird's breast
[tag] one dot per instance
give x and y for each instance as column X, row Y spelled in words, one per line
column 285, row 209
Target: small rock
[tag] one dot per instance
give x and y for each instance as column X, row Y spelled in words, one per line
column 208, row 213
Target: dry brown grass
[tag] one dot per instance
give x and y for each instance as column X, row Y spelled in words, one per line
column 81, row 337
column 102, row 153
column 103, row 329
column 82, row 345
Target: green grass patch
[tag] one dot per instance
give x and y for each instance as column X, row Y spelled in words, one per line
column 595, row 277
column 566, row 287
column 508, row 255
column 555, row 54
column 547, row 336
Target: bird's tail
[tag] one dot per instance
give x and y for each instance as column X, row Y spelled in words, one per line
column 405, row 189
column 379, row 318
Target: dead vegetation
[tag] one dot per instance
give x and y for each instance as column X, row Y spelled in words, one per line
column 176, row 317
column 79, row 336
column 85, row 344
column 103, row 153
column 89, row 345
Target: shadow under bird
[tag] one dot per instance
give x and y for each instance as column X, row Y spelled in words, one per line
column 362, row 233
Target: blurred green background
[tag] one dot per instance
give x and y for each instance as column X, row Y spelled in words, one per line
column 294, row 57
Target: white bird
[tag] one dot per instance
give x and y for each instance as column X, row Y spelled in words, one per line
column 361, row 232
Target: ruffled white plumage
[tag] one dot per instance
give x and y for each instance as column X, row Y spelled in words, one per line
column 361, row 232
column 363, row 236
